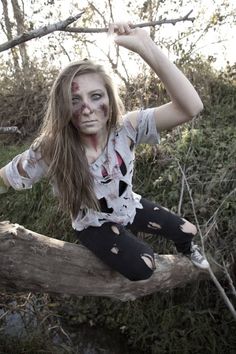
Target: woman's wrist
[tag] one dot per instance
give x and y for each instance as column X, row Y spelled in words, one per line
column 145, row 45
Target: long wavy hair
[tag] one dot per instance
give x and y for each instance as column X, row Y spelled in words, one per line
column 59, row 140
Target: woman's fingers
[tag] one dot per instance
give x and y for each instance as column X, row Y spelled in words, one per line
column 119, row 28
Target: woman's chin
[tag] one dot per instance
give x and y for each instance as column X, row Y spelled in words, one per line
column 89, row 131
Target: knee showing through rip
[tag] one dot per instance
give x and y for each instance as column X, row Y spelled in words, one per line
column 144, row 269
column 188, row 227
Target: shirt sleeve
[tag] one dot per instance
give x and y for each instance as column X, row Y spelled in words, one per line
column 33, row 165
column 146, row 131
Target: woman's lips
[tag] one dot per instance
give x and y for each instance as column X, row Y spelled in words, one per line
column 88, row 122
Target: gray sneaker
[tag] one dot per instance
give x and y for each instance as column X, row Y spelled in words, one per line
column 197, row 258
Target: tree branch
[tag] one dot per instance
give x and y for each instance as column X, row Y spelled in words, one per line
column 143, row 24
column 33, row 262
column 40, row 32
column 62, row 26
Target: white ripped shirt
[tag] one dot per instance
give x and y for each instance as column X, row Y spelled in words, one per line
column 112, row 173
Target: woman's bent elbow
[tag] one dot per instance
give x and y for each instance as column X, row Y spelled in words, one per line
column 195, row 110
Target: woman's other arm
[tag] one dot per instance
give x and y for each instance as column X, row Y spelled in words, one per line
column 23, row 171
column 4, row 184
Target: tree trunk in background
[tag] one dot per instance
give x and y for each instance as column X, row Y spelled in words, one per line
column 8, row 32
column 33, row 262
column 20, row 25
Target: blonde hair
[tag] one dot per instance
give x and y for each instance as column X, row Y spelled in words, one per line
column 60, row 144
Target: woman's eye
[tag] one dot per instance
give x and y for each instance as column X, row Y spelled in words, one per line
column 96, row 96
column 75, row 101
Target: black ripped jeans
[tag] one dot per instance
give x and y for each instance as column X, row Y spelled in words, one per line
column 118, row 247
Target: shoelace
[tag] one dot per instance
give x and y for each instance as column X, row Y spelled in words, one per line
column 198, row 255
column 196, row 251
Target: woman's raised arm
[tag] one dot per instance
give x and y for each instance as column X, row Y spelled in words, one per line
column 185, row 102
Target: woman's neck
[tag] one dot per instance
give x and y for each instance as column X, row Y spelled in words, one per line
column 94, row 145
column 94, row 141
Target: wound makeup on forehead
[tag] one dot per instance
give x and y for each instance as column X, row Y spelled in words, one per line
column 74, row 86
column 104, row 108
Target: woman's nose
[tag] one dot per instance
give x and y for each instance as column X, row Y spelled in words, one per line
column 86, row 108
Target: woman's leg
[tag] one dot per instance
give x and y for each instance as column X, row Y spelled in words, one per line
column 120, row 249
column 154, row 219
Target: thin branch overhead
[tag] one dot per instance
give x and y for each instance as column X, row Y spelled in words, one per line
column 144, row 24
column 63, row 26
column 40, row 32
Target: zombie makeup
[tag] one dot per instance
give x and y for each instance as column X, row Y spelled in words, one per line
column 74, row 87
column 80, row 107
column 104, row 108
column 93, row 140
column 90, row 105
column 94, row 105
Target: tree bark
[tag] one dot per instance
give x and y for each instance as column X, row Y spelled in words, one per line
column 33, row 262
column 8, row 32
column 21, row 28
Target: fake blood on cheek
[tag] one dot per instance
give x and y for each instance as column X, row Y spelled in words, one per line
column 104, row 109
column 77, row 113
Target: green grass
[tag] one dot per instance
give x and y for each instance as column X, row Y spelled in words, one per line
column 190, row 320
column 181, row 321
column 35, row 208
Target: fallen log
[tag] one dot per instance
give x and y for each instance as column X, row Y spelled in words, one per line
column 37, row 263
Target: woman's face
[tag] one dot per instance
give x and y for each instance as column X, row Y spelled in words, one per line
column 90, row 104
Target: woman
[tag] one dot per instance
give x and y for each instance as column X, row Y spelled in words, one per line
column 86, row 149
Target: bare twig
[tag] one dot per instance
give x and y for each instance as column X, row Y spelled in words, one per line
column 113, row 64
column 40, row 32
column 213, row 217
column 183, row 174
column 4, row 314
column 143, row 24
column 231, row 284
column 181, row 195
column 62, row 26
column 222, row 293
column 111, row 11
column 64, row 50
column 219, row 207
column 93, row 7
column 192, row 202
column 212, row 275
